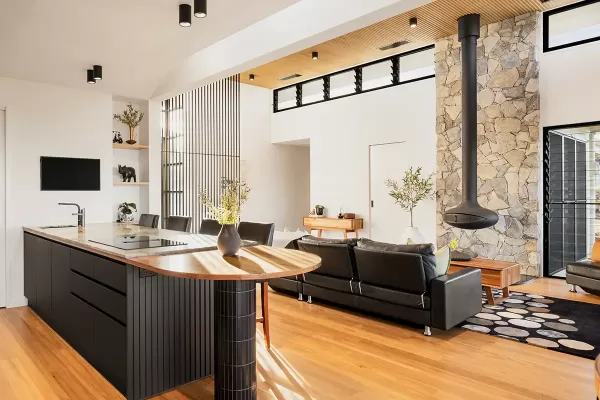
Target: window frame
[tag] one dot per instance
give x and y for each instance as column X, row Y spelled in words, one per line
column 546, row 26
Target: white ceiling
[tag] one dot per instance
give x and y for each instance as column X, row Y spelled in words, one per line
column 136, row 41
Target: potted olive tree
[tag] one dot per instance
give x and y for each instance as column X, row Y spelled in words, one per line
column 413, row 189
column 132, row 118
column 227, row 213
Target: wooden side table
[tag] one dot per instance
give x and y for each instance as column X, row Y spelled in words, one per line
column 494, row 274
column 321, row 224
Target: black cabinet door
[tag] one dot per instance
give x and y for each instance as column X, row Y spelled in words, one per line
column 79, row 327
column 110, row 343
column 30, row 270
column 60, row 287
column 43, row 254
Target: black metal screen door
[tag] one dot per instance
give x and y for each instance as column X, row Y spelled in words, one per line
column 569, row 196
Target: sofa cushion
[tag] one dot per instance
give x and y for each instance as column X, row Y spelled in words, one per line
column 442, row 261
column 391, row 270
column 586, row 269
column 314, row 239
column 337, row 260
column 328, row 282
column 394, row 296
column 424, row 250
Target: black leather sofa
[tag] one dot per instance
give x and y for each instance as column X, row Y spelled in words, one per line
column 397, row 281
column 585, row 274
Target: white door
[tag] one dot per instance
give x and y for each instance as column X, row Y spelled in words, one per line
column 388, row 220
column 2, row 208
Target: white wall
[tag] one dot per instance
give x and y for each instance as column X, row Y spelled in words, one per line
column 340, row 132
column 570, row 85
column 44, row 120
column 277, row 174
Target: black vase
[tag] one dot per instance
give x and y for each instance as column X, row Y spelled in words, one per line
column 229, row 241
column 319, row 210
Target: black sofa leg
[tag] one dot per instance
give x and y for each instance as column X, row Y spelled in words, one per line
column 300, row 297
column 309, row 301
column 573, row 289
column 427, row 331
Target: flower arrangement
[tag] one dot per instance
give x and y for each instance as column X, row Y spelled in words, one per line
column 126, row 211
column 235, row 193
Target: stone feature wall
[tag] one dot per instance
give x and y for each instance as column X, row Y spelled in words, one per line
column 507, row 140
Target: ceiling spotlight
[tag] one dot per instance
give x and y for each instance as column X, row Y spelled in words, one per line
column 200, row 8
column 90, row 76
column 315, row 55
column 413, row 22
column 251, row 77
column 98, row 72
column 185, row 15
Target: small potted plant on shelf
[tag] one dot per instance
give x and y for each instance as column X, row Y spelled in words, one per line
column 126, row 212
column 408, row 194
column 227, row 213
column 132, row 118
column 319, row 210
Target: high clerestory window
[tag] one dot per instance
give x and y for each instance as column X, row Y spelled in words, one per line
column 572, row 25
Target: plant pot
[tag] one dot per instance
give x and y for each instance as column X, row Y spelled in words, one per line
column 229, row 241
column 319, row 211
column 412, row 233
column 131, row 136
column 126, row 217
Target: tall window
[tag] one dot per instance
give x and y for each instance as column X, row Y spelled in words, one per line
column 200, row 147
column 571, row 193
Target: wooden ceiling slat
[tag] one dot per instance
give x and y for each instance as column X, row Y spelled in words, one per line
column 436, row 20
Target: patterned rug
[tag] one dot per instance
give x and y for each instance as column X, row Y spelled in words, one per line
column 567, row 326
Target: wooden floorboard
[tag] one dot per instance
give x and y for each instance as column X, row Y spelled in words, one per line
column 322, row 352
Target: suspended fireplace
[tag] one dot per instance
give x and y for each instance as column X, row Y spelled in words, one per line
column 469, row 214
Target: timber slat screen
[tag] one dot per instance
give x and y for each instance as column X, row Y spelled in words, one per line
column 200, row 147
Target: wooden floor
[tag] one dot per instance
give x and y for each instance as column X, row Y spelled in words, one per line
column 320, row 352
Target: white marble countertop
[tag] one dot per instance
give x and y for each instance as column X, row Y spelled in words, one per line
column 72, row 237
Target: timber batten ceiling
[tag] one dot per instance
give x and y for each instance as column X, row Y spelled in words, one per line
column 435, row 20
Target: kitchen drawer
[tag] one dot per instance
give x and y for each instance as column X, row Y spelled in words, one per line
column 80, row 327
column 82, row 262
column 110, row 273
column 107, row 300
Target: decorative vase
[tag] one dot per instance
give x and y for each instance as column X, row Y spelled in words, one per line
column 131, row 137
column 229, row 241
column 126, row 217
column 412, row 233
column 319, row 210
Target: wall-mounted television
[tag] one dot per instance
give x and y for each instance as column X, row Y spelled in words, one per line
column 69, row 174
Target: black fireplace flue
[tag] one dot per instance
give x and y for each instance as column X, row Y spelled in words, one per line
column 469, row 214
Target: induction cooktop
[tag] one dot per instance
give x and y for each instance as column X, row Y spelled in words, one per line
column 136, row 242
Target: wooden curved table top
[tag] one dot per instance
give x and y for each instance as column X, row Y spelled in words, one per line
column 251, row 263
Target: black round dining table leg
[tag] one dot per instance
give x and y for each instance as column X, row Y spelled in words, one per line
column 235, row 340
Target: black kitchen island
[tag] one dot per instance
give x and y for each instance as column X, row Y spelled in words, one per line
column 145, row 332
column 151, row 319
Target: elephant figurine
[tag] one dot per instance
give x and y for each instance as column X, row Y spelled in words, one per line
column 128, row 173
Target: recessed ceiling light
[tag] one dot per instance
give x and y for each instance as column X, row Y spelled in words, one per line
column 185, row 15
column 315, row 55
column 251, row 77
column 413, row 22
column 200, row 8
column 90, row 77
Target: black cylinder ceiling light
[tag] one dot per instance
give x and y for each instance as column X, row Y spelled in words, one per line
column 90, row 77
column 200, row 8
column 251, row 77
column 315, row 55
column 97, row 72
column 413, row 22
column 185, row 15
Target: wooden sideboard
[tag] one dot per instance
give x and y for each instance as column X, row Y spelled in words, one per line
column 321, row 224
